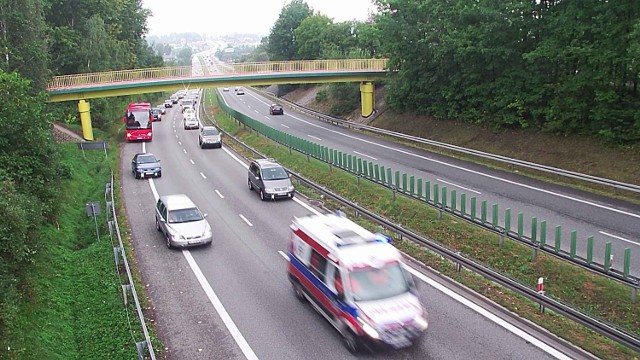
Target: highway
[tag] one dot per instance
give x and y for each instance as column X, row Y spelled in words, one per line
column 590, row 215
column 232, row 300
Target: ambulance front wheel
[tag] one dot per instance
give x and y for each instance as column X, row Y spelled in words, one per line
column 297, row 290
column 350, row 341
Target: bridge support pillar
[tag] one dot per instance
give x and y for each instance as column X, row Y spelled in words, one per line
column 85, row 119
column 366, row 98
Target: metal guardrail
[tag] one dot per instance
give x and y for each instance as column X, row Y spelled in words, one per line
column 182, row 72
column 408, row 186
column 545, row 168
column 600, row 326
column 120, row 256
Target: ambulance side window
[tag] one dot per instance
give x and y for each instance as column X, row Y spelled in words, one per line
column 318, row 265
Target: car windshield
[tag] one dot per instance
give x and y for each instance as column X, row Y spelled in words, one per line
column 184, row 215
column 209, row 132
column 147, row 159
column 138, row 119
column 156, row 111
column 375, row 284
column 274, row 173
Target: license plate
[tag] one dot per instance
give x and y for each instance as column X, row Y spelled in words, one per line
column 282, row 194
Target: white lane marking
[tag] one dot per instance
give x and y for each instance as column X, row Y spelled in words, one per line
column 586, row 202
column 217, row 304
column 144, row 147
column 184, row 150
column 245, row 220
column 213, row 298
column 283, row 125
column 204, row 177
column 461, row 187
column 313, row 137
column 249, row 106
column 266, row 117
column 619, row 238
column 175, row 131
column 219, row 194
column 528, row 338
column 257, row 112
column 361, row 154
column 192, row 163
column 179, row 142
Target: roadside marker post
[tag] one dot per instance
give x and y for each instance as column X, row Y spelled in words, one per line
column 541, row 292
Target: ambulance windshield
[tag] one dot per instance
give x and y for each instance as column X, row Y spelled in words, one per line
column 375, row 284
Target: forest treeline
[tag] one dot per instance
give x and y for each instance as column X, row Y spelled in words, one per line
column 562, row 66
column 40, row 39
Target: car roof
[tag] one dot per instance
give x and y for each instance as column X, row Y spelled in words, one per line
column 209, row 127
column 267, row 163
column 177, row 201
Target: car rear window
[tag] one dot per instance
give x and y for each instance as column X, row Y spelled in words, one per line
column 211, row 132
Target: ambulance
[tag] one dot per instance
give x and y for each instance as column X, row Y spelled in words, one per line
column 355, row 279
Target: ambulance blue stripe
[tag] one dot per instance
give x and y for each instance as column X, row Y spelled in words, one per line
column 323, row 288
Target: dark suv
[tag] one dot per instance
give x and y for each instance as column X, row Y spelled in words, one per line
column 270, row 180
column 276, row 109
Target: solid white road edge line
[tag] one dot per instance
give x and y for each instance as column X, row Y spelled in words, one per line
column 245, row 220
column 618, row 237
column 361, row 154
column 461, row 187
column 217, row 304
column 468, row 303
column 213, row 298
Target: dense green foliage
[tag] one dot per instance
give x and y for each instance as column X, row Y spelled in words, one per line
column 561, row 66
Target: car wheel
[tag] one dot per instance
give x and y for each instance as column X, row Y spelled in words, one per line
column 136, row 175
column 297, row 290
column 169, row 246
column 350, row 341
column 158, row 225
column 159, row 173
column 250, row 185
column 262, row 197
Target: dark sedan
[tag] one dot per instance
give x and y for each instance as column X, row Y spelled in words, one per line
column 276, row 110
column 145, row 165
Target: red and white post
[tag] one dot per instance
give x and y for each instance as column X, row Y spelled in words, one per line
column 541, row 292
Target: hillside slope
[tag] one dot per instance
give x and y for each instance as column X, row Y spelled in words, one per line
column 576, row 153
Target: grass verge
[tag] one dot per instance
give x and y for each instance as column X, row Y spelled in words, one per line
column 599, row 296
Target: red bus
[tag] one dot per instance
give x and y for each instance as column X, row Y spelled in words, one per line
column 138, row 122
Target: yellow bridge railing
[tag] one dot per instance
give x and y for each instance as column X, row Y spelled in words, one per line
column 188, row 72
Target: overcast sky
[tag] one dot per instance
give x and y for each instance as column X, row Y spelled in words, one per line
column 221, row 17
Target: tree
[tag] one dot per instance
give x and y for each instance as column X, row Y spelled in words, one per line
column 22, row 40
column 311, row 35
column 282, row 44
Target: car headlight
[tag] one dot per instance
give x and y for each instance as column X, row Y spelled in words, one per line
column 421, row 322
column 269, row 190
column 290, row 188
column 177, row 237
column 368, row 329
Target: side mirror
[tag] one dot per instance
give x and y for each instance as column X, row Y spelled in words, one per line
column 340, row 296
column 205, row 215
column 290, row 176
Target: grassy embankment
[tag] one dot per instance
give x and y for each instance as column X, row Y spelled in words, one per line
column 72, row 307
column 597, row 295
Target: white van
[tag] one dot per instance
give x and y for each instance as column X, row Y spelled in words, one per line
column 187, row 104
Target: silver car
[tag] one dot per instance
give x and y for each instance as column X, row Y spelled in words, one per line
column 270, row 180
column 209, row 137
column 181, row 222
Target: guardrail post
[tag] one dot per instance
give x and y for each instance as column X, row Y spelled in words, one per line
column 404, row 183
column 543, row 233
column 111, row 226
column 360, row 169
column 140, row 346
column 589, row 250
column 389, row 175
column 419, row 189
column 483, row 211
column 608, row 257
column 627, row 262
column 397, row 180
column 534, row 237
column 507, row 220
column 494, row 215
column 520, row 224
column 412, row 185
column 376, row 172
column 116, row 254
column 473, row 208
column 370, row 170
column 558, row 243
column 463, row 203
column 541, row 292
column 454, row 200
column 444, row 197
column 436, row 194
column 365, row 168
column 427, row 191
column 574, row 243
column 126, row 289
column 383, row 178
